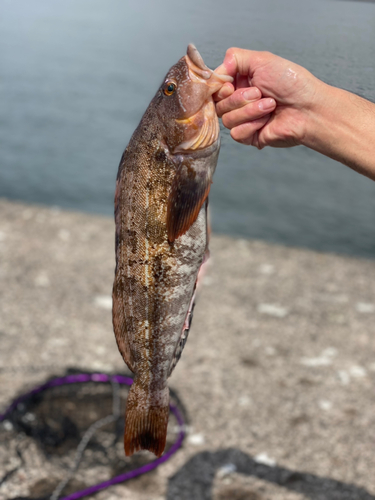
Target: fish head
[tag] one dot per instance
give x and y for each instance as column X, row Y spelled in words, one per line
column 186, row 105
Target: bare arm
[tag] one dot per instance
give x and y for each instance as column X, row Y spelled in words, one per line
column 302, row 110
column 341, row 125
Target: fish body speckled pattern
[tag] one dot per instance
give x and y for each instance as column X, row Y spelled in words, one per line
column 161, row 201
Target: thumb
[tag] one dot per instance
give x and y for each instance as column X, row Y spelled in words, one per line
column 241, row 61
column 221, row 70
column 229, row 66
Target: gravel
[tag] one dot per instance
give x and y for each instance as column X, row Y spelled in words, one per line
column 277, row 376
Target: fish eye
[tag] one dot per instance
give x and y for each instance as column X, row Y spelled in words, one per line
column 169, row 88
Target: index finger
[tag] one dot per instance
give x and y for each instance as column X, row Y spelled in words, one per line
column 237, row 100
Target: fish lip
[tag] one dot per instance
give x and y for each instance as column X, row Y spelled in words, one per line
column 194, row 57
column 199, row 69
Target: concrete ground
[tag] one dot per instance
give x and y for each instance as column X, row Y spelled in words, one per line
column 277, row 377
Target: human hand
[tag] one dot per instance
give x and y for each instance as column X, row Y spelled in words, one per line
column 279, row 118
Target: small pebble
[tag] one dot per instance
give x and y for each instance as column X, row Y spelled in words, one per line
column 103, row 301
column 321, row 361
column 196, row 439
column 8, row 426
column 58, row 341
column 330, row 352
column 178, row 428
column 273, row 310
column 357, row 371
column 325, row 359
column 99, row 365
column 42, row 280
column 325, row 405
column 263, row 458
column 365, row 307
column 270, row 351
column 226, row 470
column 344, row 377
column 244, row 401
column 267, row 269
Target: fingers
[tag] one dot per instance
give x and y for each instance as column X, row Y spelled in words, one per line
column 238, row 99
column 245, row 112
column 248, row 133
column 249, row 112
column 221, row 70
column 243, row 61
column 226, row 90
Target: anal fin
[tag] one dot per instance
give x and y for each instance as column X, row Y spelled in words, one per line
column 184, row 335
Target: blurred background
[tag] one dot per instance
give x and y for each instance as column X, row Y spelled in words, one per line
column 76, row 76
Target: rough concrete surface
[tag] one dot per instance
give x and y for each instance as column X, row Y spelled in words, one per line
column 277, row 377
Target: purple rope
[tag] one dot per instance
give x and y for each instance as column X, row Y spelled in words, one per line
column 102, row 377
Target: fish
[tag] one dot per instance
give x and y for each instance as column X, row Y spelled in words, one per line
column 161, row 239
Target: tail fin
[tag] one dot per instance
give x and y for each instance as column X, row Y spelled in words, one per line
column 145, row 424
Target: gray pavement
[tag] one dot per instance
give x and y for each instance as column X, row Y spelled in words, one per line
column 277, row 377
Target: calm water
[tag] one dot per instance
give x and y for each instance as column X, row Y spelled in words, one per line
column 76, row 76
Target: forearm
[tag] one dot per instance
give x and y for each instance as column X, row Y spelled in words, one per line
column 341, row 125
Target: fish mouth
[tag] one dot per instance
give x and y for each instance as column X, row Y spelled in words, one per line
column 199, row 71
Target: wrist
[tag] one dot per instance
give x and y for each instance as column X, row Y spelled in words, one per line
column 341, row 125
column 318, row 117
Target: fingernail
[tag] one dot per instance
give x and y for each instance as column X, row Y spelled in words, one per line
column 266, row 104
column 225, row 91
column 251, row 94
column 221, row 70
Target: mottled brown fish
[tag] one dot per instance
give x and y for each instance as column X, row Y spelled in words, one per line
column 162, row 186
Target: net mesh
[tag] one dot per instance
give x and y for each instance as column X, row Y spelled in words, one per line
column 68, row 437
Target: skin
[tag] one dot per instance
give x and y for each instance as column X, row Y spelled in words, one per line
column 274, row 102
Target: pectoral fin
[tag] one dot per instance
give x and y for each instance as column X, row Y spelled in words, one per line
column 190, row 189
